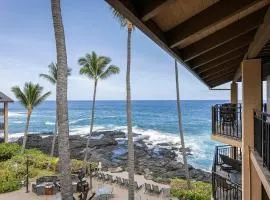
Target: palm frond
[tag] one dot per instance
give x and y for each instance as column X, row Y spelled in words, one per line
column 48, row 77
column 52, row 75
column 112, row 69
column 42, row 98
column 31, row 95
column 124, row 22
column 20, row 96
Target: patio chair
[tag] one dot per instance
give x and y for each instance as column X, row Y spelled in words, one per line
column 126, row 182
column 148, row 188
column 137, row 186
column 110, row 178
column 119, row 181
column 228, row 115
column 103, row 177
column 229, row 164
column 166, row 192
column 156, row 189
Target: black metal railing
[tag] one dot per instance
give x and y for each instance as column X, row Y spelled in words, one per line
column 226, row 150
column 224, row 189
column 262, row 136
column 227, row 120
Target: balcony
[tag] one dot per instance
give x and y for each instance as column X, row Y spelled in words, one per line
column 226, row 173
column 227, row 123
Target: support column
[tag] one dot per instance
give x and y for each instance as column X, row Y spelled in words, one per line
column 6, row 121
column 251, row 97
column 234, row 93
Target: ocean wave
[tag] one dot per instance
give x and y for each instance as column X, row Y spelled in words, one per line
column 18, row 122
column 16, row 114
column 78, row 120
column 50, row 123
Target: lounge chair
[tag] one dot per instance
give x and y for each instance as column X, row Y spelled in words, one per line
column 137, row 186
column 148, row 188
column 229, row 164
column 156, row 189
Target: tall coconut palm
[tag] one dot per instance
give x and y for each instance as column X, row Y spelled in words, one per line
column 181, row 126
column 30, row 97
column 61, row 102
column 96, row 68
column 52, row 78
column 130, row 27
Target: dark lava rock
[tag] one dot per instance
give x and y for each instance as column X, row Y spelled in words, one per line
column 105, row 147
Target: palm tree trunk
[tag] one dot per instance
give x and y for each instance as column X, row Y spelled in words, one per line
column 129, row 121
column 61, row 101
column 181, row 127
column 92, row 123
column 54, row 136
column 26, row 131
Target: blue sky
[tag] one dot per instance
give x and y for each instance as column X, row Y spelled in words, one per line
column 27, row 47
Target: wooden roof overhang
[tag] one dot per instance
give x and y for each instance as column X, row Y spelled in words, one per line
column 209, row 37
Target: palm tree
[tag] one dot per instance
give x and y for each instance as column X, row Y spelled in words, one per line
column 52, row 78
column 96, row 68
column 61, row 102
column 130, row 27
column 181, row 127
column 30, row 97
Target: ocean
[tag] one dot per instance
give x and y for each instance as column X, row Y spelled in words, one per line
column 156, row 119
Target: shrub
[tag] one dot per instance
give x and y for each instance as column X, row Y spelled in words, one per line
column 199, row 190
column 8, row 181
column 8, row 150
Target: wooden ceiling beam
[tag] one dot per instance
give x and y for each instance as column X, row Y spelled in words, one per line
column 217, row 83
column 152, row 7
column 216, row 13
column 218, row 59
column 232, row 71
column 221, row 79
column 226, row 62
column 219, row 70
column 234, row 45
column 261, row 38
column 238, row 28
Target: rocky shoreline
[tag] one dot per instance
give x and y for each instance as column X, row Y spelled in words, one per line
column 110, row 147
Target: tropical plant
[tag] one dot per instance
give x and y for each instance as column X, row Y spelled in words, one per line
column 61, row 102
column 130, row 27
column 30, row 97
column 180, row 126
column 52, row 78
column 95, row 68
column 199, row 191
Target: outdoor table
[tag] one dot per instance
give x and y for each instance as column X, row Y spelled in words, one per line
column 48, row 189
